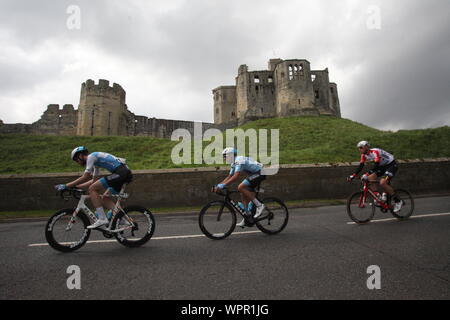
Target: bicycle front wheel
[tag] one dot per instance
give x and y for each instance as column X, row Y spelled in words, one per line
column 217, row 220
column 407, row 205
column 66, row 233
column 137, row 225
column 358, row 210
column 277, row 216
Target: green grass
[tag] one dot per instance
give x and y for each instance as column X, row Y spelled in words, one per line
column 302, row 140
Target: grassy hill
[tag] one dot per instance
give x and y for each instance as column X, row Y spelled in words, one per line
column 302, row 140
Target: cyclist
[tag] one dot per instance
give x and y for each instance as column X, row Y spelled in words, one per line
column 385, row 167
column 243, row 166
column 120, row 174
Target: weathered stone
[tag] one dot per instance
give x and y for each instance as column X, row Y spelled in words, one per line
column 286, row 89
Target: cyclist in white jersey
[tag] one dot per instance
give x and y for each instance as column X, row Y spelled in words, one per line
column 385, row 168
column 247, row 166
column 90, row 179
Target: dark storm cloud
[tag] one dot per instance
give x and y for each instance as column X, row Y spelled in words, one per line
column 178, row 51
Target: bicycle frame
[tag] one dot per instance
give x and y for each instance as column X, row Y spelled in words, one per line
column 367, row 191
column 237, row 208
column 117, row 207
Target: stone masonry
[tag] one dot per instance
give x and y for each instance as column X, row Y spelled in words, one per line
column 288, row 88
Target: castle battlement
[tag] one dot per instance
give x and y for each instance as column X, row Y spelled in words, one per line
column 102, row 88
column 54, row 108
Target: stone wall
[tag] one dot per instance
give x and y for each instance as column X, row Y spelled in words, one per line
column 285, row 89
column 190, row 187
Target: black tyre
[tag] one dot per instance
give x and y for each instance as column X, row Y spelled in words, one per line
column 360, row 212
column 138, row 226
column 277, row 216
column 217, row 220
column 67, row 235
column 407, row 207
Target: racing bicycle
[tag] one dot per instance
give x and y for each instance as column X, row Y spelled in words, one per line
column 67, row 231
column 217, row 219
column 361, row 205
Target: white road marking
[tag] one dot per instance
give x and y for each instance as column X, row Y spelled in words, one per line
column 412, row 217
column 155, row 238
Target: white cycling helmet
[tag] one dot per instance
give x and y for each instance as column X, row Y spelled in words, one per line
column 229, row 154
column 229, row 150
column 362, row 144
column 77, row 150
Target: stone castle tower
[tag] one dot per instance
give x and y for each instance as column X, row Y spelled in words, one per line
column 102, row 110
column 287, row 88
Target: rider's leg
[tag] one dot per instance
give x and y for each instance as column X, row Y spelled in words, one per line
column 95, row 190
column 245, row 188
column 373, row 187
column 246, row 194
column 108, row 202
column 384, row 183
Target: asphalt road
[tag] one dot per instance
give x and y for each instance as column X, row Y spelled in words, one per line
column 318, row 256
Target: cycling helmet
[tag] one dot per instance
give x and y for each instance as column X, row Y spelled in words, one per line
column 229, row 150
column 362, row 144
column 77, row 150
column 229, row 154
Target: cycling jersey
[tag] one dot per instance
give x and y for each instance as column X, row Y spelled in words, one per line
column 97, row 160
column 245, row 164
column 377, row 155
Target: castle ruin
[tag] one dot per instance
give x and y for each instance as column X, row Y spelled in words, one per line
column 288, row 88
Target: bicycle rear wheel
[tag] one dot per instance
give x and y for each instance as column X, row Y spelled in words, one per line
column 407, row 207
column 358, row 211
column 138, row 226
column 217, row 220
column 277, row 216
column 66, row 234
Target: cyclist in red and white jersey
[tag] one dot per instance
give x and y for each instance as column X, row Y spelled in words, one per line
column 385, row 167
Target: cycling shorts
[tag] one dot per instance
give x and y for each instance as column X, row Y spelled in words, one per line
column 117, row 179
column 387, row 171
column 254, row 180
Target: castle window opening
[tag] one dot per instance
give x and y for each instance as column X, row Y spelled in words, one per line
column 217, row 110
column 331, row 90
column 92, row 122
column 233, row 114
column 109, row 123
column 270, row 79
column 291, row 73
column 316, row 94
column 256, row 79
column 313, row 77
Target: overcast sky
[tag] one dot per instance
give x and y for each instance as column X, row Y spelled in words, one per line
column 390, row 59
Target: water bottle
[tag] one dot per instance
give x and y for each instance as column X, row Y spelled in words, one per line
column 250, row 207
column 241, row 205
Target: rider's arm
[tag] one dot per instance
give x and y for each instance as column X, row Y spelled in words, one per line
column 84, row 178
column 230, row 179
column 361, row 165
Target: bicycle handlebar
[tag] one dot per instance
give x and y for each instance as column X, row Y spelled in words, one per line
column 71, row 192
